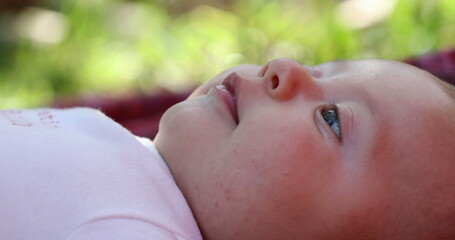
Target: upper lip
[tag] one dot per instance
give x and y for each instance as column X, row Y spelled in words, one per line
column 230, row 84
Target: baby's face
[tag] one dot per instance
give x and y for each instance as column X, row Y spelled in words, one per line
column 256, row 159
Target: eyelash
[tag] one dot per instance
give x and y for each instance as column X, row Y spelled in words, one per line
column 334, row 125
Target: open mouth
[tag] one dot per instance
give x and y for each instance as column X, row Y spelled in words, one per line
column 228, row 94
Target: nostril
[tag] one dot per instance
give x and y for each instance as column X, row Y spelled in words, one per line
column 275, row 81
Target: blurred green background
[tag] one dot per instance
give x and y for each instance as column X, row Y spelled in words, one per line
column 51, row 49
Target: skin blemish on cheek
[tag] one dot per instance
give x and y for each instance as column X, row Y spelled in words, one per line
column 254, row 163
column 227, row 191
column 227, row 194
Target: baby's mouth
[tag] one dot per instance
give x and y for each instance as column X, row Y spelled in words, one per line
column 227, row 90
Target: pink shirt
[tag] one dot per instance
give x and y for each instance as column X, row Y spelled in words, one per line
column 76, row 174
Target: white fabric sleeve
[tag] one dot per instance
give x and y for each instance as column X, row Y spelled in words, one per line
column 122, row 229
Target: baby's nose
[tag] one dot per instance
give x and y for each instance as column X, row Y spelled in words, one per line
column 283, row 78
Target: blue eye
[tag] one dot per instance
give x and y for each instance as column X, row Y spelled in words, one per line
column 331, row 117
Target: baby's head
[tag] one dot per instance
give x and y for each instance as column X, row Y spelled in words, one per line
column 342, row 150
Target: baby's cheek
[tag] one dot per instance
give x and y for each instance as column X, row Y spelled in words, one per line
column 356, row 207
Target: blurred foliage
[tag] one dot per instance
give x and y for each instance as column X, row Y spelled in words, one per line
column 109, row 47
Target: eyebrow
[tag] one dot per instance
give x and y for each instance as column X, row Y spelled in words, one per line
column 364, row 97
column 368, row 99
column 446, row 87
column 364, row 113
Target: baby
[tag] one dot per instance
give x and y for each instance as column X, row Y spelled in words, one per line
column 343, row 150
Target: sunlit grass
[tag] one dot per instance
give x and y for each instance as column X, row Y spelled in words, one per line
column 115, row 47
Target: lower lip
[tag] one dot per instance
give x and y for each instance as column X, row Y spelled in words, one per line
column 227, row 99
